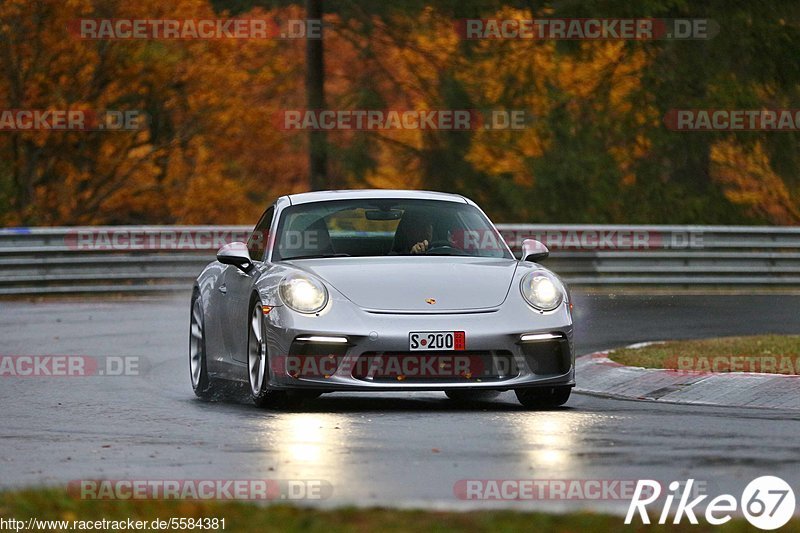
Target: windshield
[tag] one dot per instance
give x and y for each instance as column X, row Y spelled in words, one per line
column 385, row 227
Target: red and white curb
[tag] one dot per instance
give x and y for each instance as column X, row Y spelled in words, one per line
column 599, row 375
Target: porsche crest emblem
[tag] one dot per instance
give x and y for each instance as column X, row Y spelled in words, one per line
column 430, row 301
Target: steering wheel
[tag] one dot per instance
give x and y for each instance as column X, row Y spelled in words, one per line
column 443, row 247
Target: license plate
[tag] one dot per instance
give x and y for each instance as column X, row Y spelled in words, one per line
column 440, row 341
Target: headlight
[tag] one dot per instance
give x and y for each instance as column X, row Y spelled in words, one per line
column 303, row 294
column 542, row 290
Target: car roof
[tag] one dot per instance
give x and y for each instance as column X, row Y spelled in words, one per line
column 356, row 194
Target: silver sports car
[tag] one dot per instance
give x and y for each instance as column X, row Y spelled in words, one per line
column 380, row 290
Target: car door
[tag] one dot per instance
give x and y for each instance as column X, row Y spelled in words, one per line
column 237, row 287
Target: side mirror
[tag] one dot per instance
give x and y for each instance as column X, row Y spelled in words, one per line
column 534, row 251
column 236, row 254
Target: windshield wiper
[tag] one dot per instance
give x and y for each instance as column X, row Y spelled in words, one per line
column 313, row 256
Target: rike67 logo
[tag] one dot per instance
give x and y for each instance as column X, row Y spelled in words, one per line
column 767, row 503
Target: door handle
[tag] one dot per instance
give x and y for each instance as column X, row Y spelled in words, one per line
column 223, row 289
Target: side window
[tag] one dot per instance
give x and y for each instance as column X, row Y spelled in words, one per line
column 257, row 243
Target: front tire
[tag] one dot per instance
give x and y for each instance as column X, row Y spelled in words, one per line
column 203, row 385
column 543, row 397
column 258, row 360
column 258, row 367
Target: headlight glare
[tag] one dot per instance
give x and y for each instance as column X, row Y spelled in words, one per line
column 542, row 290
column 303, row 294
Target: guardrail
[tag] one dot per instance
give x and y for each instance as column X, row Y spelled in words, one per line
column 167, row 258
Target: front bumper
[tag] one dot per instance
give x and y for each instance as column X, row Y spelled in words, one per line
column 376, row 354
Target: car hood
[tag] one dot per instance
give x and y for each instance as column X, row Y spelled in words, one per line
column 423, row 284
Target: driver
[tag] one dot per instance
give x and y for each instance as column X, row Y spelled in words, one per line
column 415, row 234
column 421, row 235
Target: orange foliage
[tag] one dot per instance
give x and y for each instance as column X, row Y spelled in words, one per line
column 748, row 180
column 212, row 154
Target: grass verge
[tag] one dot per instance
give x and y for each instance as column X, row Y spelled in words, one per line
column 772, row 354
column 54, row 504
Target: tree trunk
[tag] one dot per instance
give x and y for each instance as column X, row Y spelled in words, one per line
column 315, row 98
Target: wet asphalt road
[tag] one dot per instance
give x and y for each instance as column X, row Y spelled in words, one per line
column 381, row 449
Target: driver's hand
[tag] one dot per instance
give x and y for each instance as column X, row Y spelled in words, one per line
column 420, row 247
